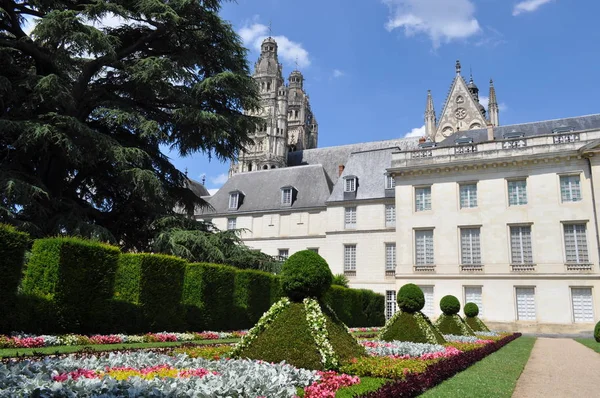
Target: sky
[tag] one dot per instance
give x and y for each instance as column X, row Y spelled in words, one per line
column 369, row 63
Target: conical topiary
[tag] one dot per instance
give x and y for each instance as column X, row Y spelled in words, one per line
column 299, row 328
column 450, row 322
column 409, row 323
column 471, row 311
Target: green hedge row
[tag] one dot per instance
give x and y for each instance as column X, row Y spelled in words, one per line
column 80, row 286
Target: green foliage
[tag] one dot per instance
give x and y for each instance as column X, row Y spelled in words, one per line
column 410, row 298
column 12, row 251
column 86, row 112
column 252, row 297
column 449, row 305
column 476, row 324
column 288, row 338
column 356, row 308
column 597, row 332
column 305, row 274
column 340, row 280
column 415, row 327
column 453, row 324
column 208, row 294
column 77, row 276
column 471, row 310
column 155, row 283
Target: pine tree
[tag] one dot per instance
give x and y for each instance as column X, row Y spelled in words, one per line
column 92, row 94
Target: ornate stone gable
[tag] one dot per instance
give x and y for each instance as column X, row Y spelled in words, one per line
column 461, row 111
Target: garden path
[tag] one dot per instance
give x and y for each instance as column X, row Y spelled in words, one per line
column 559, row 368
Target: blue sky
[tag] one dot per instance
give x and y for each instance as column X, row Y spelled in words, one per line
column 368, row 64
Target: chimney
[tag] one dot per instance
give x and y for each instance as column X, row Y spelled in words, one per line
column 490, row 132
column 340, row 169
column 422, row 140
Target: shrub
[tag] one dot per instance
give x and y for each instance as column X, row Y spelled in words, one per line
column 252, row 297
column 415, row 327
column 471, row 310
column 597, row 332
column 453, row 324
column 410, row 298
column 155, row 283
column 77, row 276
column 340, row 280
column 450, row 305
column 305, row 274
column 356, row 307
column 208, row 296
column 12, row 250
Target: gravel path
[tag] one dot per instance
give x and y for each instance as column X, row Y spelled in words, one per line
column 560, row 368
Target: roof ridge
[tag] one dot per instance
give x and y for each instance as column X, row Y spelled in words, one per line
column 548, row 120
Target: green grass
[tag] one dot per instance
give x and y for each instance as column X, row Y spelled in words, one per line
column 14, row 352
column 590, row 343
column 367, row 384
column 494, row 376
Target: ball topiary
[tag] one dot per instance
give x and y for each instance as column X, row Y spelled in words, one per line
column 305, row 274
column 450, row 305
column 410, row 298
column 471, row 310
column 597, row 332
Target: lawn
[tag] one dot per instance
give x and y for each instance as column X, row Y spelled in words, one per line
column 590, row 343
column 493, row 376
column 14, row 352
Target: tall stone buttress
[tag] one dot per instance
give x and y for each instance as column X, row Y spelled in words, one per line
column 289, row 124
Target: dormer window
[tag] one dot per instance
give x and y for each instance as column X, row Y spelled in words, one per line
column 235, row 200
column 287, row 196
column 390, row 182
column 350, row 184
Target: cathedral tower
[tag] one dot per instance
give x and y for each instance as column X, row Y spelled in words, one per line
column 302, row 125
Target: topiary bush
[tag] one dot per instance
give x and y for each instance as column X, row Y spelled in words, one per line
column 471, row 310
column 305, row 274
column 597, row 332
column 449, row 305
column 410, row 298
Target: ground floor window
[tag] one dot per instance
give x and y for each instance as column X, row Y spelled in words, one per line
column 525, row 303
column 473, row 295
column 583, row 307
column 390, row 303
column 429, row 308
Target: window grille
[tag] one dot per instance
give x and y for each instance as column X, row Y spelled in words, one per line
column 390, row 215
column 470, row 246
column 424, row 247
column 517, row 192
column 468, row 195
column 350, row 258
column 570, row 189
column 520, row 245
column 350, row 217
column 423, row 199
column 576, row 244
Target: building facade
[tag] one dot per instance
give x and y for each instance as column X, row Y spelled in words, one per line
column 504, row 216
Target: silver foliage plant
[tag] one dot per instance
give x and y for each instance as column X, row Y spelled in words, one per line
column 400, row 348
column 235, row 378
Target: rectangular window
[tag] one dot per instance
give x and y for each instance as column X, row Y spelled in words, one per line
column 284, row 254
column 468, row 195
column 473, row 295
column 233, row 200
column 423, row 199
column 429, row 308
column 350, row 184
column 525, row 303
column 286, row 196
column 390, row 303
column 350, row 217
column 314, row 249
column 390, row 182
column 390, row 216
column 349, row 257
column 583, row 307
column 520, row 245
column 517, row 192
column 576, row 244
column 470, row 247
column 424, row 247
column 231, row 222
column 390, row 256
column 570, row 189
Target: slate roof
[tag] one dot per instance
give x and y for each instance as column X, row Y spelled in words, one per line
column 528, row 129
column 332, row 157
column 197, row 188
column 370, row 168
column 262, row 190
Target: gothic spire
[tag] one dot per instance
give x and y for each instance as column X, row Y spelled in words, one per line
column 458, row 67
column 493, row 105
column 430, row 120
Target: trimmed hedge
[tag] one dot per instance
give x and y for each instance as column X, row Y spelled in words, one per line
column 252, row 297
column 356, row 307
column 449, row 305
column 305, row 274
column 12, row 251
column 77, row 276
column 154, row 282
column 597, row 332
column 410, row 298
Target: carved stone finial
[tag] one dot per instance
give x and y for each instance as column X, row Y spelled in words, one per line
column 458, row 67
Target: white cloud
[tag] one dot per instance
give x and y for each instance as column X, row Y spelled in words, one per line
column 337, row 73
column 220, row 179
column 483, row 100
column 528, row 6
column 213, row 191
column 416, row 132
column 442, row 20
column 290, row 51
